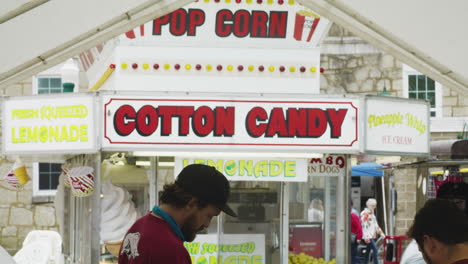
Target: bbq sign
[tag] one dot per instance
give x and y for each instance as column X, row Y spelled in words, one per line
column 261, row 125
column 238, row 24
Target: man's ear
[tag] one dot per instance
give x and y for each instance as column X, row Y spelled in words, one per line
column 431, row 246
column 192, row 204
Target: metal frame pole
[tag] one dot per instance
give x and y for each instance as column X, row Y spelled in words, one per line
column 284, row 223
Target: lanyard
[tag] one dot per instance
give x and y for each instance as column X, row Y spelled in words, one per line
column 172, row 223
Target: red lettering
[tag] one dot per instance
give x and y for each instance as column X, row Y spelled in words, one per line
column 241, row 23
column 178, row 25
column 317, row 122
column 278, row 22
column 184, row 113
column 196, row 19
column 277, row 124
column 259, row 24
column 158, row 22
column 203, row 121
column 124, row 120
column 180, row 22
column 257, row 113
column 147, row 120
column 223, row 29
column 335, row 119
column 224, row 121
column 340, row 161
column 316, row 160
column 297, row 120
column 166, row 113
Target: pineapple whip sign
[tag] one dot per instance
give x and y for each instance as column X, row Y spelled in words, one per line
column 235, row 169
column 397, row 126
column 238, row 248
column 45, row 123
column 201, row 124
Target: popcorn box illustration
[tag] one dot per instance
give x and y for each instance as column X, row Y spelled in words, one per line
column 66, row 177
column 19, row 170
column 11, row 180
column 81, row 180
column 305, row 24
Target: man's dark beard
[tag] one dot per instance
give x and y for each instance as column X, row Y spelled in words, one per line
column 426, row 257
column 188, row 230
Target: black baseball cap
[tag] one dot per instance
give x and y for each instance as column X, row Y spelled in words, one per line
column 207, row 184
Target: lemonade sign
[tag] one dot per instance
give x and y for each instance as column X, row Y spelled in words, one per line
column 46, row 123
column 230, row 249
column 236, row 169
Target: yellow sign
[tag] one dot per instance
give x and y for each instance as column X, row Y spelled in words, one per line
column 49, row 123
column 52, row 133
column 392, row 120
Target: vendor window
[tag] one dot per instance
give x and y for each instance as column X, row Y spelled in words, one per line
column 46, row 178
column 48, row 85
column 419, row 86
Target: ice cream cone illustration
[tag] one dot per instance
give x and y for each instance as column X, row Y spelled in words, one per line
column 114, row 247
column 81, row 180
column 19, row 170
column 305, row 24
column 118, row 214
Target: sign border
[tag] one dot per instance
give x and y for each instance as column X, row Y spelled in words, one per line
column 356, row 109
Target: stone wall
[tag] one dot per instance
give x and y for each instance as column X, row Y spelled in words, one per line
column 454, row 104
column 360, row 73
column 405, row 183
column 18, row 213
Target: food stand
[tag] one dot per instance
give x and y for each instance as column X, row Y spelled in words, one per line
column 199, row 86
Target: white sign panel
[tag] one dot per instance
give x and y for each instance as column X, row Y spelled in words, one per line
column 260, row 125
column 49, row 124
column 397, row 126
column 235, row 248
column 327, row 166
column 238, row 25
column 236, row 169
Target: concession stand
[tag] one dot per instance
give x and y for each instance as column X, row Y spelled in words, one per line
column 233, row 85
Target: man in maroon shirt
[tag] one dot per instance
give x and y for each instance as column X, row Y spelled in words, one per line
column 187, row 206
column 441, row 230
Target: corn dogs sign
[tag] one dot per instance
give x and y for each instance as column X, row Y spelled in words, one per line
column 262, row 125
column 240, row 24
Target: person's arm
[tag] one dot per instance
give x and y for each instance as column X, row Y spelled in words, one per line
column 378, row 229
column 359, row 230
column 356, row 227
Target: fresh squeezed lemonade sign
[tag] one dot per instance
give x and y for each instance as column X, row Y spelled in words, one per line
column 48, row 124
column 235, row 169
column 232, row 249
column 397, row 126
